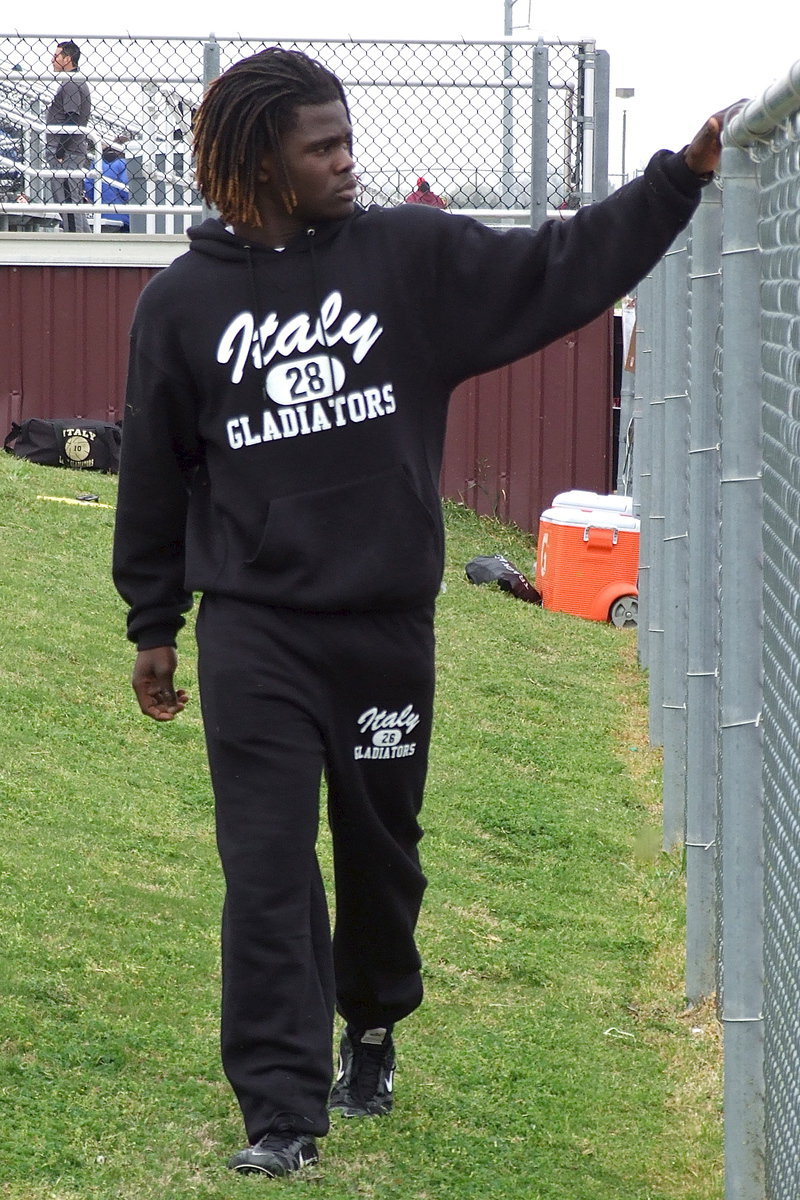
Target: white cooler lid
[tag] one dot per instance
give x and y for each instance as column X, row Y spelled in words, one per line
column 595, row 518
column 579, row 499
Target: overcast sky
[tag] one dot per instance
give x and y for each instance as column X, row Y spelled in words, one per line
column 684, row 59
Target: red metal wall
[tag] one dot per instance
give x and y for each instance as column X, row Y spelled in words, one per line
column 516, row 436
column 64, row 340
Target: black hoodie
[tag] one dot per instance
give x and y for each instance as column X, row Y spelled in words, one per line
column 285, row 411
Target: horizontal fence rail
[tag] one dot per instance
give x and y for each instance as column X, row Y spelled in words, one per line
column 504, row 127
column 722, row 641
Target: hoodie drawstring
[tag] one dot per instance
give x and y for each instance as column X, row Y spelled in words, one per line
column 311, row 234
column 256, row 300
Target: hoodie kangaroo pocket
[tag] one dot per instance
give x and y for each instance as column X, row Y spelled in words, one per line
column 367, row 544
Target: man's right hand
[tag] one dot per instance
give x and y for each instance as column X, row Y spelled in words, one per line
column 702, row 155
column 153, row 682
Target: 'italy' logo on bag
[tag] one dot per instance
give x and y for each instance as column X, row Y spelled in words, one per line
column 78, row 447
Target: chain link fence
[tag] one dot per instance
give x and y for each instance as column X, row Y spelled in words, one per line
column 716, row 481
column 779, row 181
column 495, row 127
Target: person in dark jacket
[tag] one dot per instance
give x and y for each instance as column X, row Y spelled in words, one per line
column 284, row 427
column 66, row 144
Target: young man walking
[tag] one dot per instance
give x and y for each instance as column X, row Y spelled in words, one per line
column 284, row 427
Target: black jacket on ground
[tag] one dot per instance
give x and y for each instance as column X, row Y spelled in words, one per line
column 285, row 412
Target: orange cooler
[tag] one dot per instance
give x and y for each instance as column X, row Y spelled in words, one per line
column 588, row 563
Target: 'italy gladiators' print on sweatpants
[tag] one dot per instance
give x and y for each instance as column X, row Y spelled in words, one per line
column 287, row 697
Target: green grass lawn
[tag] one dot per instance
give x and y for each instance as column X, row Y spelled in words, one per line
column 552, row 1059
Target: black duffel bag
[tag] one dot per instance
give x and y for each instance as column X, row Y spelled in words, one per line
column 81, row 445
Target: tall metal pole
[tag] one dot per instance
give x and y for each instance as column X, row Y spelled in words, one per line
column 740, row 687
column 211, row 66
column 643, row 451
column 675, row 550
column 655, row 658
column 539, row 100
column 702, row 602
column 210, row 61
column 600, row 115
column 507, row 184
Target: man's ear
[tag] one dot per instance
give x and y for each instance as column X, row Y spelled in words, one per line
column 265, row 170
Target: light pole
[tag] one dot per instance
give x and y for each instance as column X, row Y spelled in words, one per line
column 624, row 94
column 508, row 108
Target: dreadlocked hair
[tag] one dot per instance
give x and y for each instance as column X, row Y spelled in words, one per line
column 244, row 115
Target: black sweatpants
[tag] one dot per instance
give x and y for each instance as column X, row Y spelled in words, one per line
column 286, row 695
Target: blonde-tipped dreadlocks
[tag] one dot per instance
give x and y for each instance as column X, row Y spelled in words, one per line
column 243, row 116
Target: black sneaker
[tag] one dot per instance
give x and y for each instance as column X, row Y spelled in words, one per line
column 276, row 1154
column 364, row 1084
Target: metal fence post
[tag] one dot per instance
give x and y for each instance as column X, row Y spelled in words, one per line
column 211, row 65
column 675, row 550
column 507, row 181
column 740, row 684
column 655, row 656
column 540, row 98
column 585, row 123
column 602, row 76
column 702, row 730
column 210, row 60
column 642, row 453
